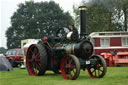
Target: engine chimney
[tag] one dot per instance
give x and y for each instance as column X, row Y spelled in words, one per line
column 82, row 20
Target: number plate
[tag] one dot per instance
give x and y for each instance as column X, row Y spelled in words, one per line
column 87, row 62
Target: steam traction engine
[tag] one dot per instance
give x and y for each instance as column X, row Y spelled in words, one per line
column 67, row 52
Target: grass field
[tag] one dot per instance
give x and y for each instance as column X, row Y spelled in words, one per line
column 114, row 76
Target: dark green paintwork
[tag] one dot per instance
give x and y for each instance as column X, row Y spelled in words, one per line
column 92, row 62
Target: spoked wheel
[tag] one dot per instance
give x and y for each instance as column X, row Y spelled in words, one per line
column 36, row 60
column 70, row 67
column 99, row 69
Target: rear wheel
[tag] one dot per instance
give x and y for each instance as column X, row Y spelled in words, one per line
column 70, row 67
column 36, row 60
column 99, row 69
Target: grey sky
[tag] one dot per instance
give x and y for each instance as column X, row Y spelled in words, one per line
column 8, row 7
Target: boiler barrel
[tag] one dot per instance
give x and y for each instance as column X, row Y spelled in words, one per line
column 82, row 49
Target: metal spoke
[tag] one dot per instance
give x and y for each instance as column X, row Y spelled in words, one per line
column 31, row 51
column 98, row 72
column 37, row 65
column 70, row 61
column 73, row 71
column 93, row 70
column 37, row 55
column 30, row 60
column 71, row 74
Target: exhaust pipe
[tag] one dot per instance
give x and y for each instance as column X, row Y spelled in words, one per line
column 83, row 21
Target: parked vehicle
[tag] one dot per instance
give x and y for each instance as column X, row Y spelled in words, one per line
column 15, row 57
column 113, row 46
column 115, row 58
column 109, row 41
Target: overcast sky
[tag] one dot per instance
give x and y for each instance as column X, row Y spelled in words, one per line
column 8, row 7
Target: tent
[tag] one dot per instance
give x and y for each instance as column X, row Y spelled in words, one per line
column 5, row 64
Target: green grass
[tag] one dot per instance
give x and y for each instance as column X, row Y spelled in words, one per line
column 114, row 76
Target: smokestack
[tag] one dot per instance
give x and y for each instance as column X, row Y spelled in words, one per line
column 82, row 20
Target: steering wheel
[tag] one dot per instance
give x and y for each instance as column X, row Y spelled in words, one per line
column 65, row 33
column 62, row 32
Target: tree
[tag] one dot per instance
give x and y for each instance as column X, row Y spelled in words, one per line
column 116, row 9
column 97, row 18
column 35, row 20
column 109, row 10
column 105, row 15
column 2, row 50
column 122, row 5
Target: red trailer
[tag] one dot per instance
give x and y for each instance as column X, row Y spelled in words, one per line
column 105, row 43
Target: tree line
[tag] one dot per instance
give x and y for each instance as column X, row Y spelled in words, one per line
column 35, row 20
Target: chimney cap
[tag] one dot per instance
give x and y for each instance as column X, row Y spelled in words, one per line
column 83, row 8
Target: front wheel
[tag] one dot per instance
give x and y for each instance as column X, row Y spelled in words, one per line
column 70, row 67
column 97, row 70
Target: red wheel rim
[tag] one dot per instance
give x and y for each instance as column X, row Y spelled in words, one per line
column 33, row 60
column 68, row 68
column 96, row 71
